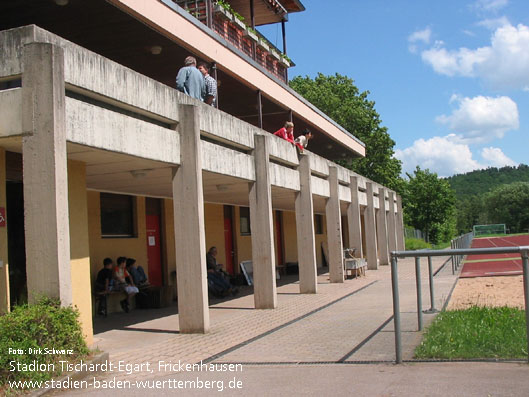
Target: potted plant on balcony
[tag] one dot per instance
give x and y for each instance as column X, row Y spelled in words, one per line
column 275, row 54
column 223, row 9
column 263, row 44
column 238, row 19
column 251, row 33
column 285, row 60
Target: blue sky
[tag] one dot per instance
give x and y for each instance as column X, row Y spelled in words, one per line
column 450, row 78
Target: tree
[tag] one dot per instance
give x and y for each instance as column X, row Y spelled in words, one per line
column 429, row 205
column 509, row 204
column 340, row 99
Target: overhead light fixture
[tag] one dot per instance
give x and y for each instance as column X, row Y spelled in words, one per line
column 222, row 188
column 139, row 173
column 156, row 50
column 62, row 2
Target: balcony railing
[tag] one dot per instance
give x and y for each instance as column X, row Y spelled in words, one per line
column 231, row 26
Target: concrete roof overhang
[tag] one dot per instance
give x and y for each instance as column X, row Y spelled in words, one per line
column 101, row 27
column 124, row 174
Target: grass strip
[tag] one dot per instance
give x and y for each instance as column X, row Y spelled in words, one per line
column 477, row 332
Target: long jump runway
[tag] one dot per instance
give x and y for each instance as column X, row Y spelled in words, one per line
column 497, row 264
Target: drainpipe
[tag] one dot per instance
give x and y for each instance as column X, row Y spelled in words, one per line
column 252, row 21
column 283, row 30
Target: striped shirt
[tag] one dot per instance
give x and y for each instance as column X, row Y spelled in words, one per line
column 211, row 88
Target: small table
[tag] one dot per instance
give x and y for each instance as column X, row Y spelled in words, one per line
column 358, row 265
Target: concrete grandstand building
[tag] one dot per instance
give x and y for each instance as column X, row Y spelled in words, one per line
column 100, row 156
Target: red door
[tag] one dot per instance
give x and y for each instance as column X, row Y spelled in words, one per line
column 228, row 238
column 154, row 253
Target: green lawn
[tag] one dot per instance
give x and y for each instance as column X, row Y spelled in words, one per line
column 478, row 332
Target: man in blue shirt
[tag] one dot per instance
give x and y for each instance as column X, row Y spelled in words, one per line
column 190, row 81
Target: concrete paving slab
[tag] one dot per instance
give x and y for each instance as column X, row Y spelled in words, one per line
column 326, row 335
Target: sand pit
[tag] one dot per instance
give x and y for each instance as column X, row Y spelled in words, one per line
column 488, row 291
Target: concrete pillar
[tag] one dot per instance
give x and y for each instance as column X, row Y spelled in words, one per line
column 4, row 266
column 382, row 229
column 334, row 229
column 308, row 277
column 263, row 254
column 45, row 173
column 392, row 223
column 353, row 219
column 370, row 229
column 190, row 237
column 400, row 225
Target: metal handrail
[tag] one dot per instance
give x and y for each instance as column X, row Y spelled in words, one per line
column 523, row 251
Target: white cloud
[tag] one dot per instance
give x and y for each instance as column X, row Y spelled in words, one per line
column 494, row 23
column 452, row 63
column 494, row 157
column 422, row 36
column 481, row 119
column 490, row 5
column 442, row 155
column 447, row 156
column 503, row 64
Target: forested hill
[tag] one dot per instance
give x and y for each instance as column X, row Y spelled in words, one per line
column 482, row 181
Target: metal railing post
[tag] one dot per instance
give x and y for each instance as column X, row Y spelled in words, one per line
column 419, row 292
column 525, row 266
column 430, row 276
column 453, row 266
column 396, row 309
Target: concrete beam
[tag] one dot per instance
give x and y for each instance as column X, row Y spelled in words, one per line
column 97, row 127
column 190, row 237
column 334, row 229
column 370, row 229
column 263, row 255
column 45, row 173
column 382, row 228
column 11, row 112
column 221, row 160
column 308, row 276
column 353, row 219
column 284, row 177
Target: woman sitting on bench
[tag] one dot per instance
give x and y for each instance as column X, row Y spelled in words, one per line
column 124, row 283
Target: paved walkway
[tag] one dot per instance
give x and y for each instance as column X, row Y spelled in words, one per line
column 336, row 332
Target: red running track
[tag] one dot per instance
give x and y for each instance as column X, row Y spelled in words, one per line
column 496, row 264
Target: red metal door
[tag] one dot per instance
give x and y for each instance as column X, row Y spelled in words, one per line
column 154, row 253
column 228, row 238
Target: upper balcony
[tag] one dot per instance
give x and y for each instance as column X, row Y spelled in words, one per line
column 235, row 21
column 153, row 37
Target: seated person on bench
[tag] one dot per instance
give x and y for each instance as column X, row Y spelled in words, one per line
column 217, row 281
column 124, row 283
column 104, row 284
column 137, row 273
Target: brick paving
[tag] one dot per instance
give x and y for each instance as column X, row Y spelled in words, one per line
column 323, row 327
column 338, row 342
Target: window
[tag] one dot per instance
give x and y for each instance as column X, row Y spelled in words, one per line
column 117, row 215
column 318, row 224
column 245, row 221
